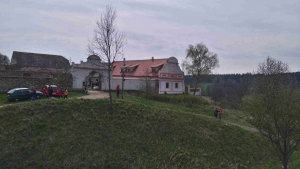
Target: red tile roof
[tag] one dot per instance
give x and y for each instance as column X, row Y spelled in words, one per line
column 141, row 67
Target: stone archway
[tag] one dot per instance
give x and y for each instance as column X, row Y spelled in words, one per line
column 94, row 78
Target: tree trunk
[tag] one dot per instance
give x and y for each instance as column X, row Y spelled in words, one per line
column 285, row 163
column 122, row 83
column 109, row 88
column 196, row 86
column 285, row 158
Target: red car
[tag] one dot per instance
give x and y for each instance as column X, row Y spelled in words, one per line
column 56, row 92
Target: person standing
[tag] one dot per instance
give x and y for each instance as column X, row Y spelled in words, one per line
column 118, row 91
column 216, row 112
column 33, row 92
column 220, row 112
column 66, row 94
column 61, row 92
column 49, row 92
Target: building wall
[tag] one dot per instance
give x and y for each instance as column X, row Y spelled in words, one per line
column 79, row 76
column 172, row 74
column 172, row 86
column 130, row 84
column 83, row 69
column 14, row 79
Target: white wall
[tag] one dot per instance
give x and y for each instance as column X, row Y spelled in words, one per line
column 129, row 84
column 79, row 76
column 172, row 75
column 171, row 89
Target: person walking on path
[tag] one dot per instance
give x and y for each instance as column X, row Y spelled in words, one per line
column 33, row 92
column 220, row 112
column 66, row 94
column 216, row 112
column 118, row 90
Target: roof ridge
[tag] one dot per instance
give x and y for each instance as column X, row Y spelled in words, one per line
column 36, row 53
column 142, row 60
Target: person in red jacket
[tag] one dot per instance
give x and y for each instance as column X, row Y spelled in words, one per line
column 220, row 112
column 118, row 90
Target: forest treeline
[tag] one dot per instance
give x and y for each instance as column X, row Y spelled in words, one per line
column 237, row 78
column 229, row 88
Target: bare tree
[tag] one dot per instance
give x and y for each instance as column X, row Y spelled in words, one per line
column 147, row 83
column 64, row 77
column 274, row 108
column 107, row 42
column 4, row 60
column 199, row 61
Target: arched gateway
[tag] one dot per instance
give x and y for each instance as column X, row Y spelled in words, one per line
column 91, row 73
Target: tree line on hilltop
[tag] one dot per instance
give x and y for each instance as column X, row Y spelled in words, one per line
column 229, row 88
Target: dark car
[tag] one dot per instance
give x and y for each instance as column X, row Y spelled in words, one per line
column 17, row 94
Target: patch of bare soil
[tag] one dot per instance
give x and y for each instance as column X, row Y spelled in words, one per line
column 96, row 95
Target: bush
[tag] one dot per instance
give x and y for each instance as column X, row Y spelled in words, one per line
column 182, row 99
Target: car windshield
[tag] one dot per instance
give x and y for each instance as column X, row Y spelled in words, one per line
column 54, row 88
column 11, row 91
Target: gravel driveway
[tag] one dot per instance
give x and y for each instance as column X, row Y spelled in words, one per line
column 96, row 95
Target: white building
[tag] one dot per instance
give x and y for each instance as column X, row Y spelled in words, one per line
column 164, row 74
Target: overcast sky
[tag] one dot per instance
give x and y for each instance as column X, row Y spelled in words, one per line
column 242, row 33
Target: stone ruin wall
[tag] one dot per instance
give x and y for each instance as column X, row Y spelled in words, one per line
column 14, row 79
column 32, row 69
column 22, row 60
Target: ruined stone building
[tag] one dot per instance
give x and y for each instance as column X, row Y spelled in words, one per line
column 33, row 69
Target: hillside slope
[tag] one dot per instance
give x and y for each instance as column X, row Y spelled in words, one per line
column 81, row 134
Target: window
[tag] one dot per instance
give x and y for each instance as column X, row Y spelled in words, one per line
column 167, row 85
column 176, row 85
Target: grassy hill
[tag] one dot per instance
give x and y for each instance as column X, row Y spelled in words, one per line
column 139, row 134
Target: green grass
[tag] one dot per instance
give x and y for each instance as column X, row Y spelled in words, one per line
column 140, row 133
column 74, row 94
column 3, row 99
column 233, row 116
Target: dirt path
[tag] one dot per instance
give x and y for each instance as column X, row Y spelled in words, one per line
column 252, row 129
column 95, row 95
column 242, row 126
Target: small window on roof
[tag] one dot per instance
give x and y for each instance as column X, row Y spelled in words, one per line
column 131, row 68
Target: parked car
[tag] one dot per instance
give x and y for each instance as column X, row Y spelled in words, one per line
column 17, row 94
column 56, row 92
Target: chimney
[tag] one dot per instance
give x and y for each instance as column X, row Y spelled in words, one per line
column 152, row 58
column 123, row 61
